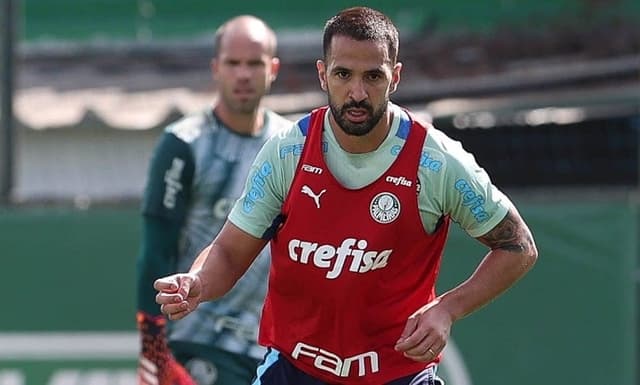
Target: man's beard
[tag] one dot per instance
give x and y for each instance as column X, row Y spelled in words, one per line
column 242, row 106
column 246, row 107
column 357, row 129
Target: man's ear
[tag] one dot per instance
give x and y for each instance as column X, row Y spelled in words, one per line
column 275, row 68
column 213, row 66
column 322, row 74
column 395, row 77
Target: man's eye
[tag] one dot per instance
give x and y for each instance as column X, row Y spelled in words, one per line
column 342, row 74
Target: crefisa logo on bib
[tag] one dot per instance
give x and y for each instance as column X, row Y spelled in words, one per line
column 384, row 207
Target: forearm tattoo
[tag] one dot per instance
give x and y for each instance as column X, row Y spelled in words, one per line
column 511, row 234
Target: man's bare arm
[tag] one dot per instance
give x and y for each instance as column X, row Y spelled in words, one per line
column 214, row 272
column 513, row 252
column 511, row 234
column 225, row 260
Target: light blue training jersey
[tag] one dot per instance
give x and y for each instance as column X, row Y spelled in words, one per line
column 452, row 182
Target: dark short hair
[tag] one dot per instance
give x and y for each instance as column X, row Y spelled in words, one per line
column 362, row 24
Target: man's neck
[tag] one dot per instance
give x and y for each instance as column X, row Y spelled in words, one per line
column 241, row 123
column 366, row 143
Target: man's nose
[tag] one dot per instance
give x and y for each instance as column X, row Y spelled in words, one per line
column 243, row 71
column 358, row 91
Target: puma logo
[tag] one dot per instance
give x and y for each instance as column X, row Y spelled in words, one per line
column 316, row 197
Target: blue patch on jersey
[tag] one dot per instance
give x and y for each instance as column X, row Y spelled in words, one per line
column 303, row 123
column 404, row 127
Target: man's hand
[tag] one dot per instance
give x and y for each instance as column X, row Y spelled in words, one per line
column 178, row 294
column 426, row 333
column 156, row 365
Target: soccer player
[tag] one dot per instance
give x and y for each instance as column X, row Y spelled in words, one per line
column 196, row 173
column 356, row 200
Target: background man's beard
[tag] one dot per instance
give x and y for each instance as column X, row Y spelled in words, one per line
column 357, row 129
column 243, row 107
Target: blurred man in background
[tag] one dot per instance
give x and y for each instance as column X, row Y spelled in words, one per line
column 197, row 172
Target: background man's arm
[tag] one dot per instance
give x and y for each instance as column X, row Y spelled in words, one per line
column 164, row 208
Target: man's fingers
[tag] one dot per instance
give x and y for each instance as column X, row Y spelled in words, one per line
column 422, row 347
column 185, row 287
column 167, row 285
column 171, row 309
column 178, row 315
column 428, row 354
column 409, row 328
column 168, row 298
column 174, row 294
column 411, row 335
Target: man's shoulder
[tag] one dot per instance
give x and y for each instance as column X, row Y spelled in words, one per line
column 278, row 121
column 189, row 127
column 285, row 142
column 441, row 152
column 437, row 140
column 289, row 134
